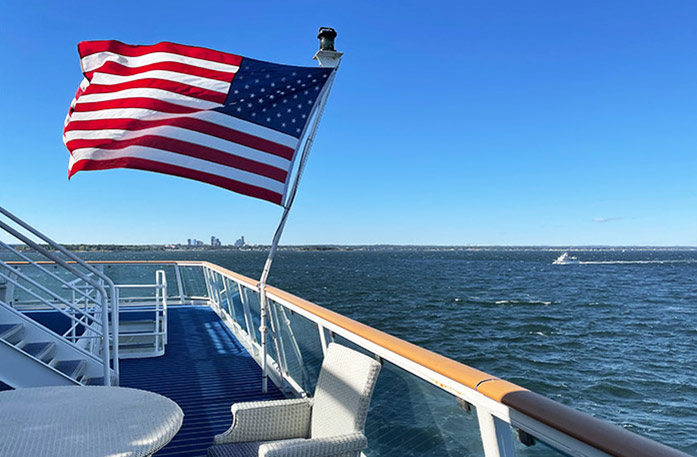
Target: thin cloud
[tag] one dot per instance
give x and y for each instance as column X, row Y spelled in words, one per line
column 602, row 220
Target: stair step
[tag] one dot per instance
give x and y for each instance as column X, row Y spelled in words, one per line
column 71, row 368
column 41, row 351
column 136, row 345
column 11, row 332
column 123, row 323
column 98, row 381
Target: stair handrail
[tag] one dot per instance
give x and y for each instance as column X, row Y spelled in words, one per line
column 107, row 353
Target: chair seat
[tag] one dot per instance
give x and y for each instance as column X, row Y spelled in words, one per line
column 248, row 449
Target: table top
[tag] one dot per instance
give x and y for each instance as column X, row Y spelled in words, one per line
column 89, row 421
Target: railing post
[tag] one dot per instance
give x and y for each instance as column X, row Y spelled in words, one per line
column 10, row 289
column 249, row 323
column 209, row 286
column 115, row 330
column 106, row 343
column 164, row 306
column 323, row 339
column 278, row 339
column 497, row 438
column 180, row 285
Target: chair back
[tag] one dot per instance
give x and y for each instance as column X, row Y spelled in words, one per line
column 342, row 396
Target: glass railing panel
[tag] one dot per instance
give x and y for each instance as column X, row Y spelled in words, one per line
column 411, row 417
column 234, row 304
column 301, row 345
column 251, row 300
column 193, row 281
column 26, row 294
column 140, row 274
column 221, row 292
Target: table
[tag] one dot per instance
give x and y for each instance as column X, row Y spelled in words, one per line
column 85, row 421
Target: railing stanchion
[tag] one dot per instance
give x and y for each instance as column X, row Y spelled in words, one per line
column 180, row 285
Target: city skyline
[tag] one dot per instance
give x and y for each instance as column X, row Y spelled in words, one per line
column 546, row 124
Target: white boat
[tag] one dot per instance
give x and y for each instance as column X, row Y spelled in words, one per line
column 565, row 259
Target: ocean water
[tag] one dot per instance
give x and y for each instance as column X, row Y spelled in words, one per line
column 614, row 336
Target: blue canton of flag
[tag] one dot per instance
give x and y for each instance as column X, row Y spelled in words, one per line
column 280, row 97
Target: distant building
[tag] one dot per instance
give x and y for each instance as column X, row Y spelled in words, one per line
column 240, row 243
column 189, row 242
column 215, row 241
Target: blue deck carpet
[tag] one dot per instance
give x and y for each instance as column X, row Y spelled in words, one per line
column 205, row 370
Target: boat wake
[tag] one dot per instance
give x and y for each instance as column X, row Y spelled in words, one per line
column 629, row 262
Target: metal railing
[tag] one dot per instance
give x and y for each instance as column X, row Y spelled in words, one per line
column 156, row 304
column 38, row 268
column 509, row 418
column 456, row 409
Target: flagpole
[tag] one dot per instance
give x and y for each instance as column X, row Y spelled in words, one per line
column 328, row 57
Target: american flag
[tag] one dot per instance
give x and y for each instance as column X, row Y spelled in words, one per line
column 187, row 111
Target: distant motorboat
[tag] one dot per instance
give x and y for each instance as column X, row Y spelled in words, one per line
column 565, row 259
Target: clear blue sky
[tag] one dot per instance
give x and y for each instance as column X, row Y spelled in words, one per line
column 476, row 122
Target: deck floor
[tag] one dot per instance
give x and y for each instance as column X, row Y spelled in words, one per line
column 205, row 370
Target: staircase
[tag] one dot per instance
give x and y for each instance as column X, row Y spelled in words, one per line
column 46, row 276
column 34, row 356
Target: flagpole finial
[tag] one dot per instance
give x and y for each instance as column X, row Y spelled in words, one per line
column 326, row 37
column 327, row 56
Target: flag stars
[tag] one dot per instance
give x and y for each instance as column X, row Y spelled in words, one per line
column 280, row 99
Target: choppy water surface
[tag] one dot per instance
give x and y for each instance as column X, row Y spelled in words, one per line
column 614, row 336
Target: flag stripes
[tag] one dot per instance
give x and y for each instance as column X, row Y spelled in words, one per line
column 170, row 108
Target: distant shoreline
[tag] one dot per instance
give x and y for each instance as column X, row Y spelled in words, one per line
column 334, row 247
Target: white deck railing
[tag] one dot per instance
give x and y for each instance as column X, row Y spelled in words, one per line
column 500, row 418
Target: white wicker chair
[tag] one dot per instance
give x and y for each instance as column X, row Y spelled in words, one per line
column 329, row 424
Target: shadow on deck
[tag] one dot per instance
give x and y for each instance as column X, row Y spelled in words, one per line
column 205, row 370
